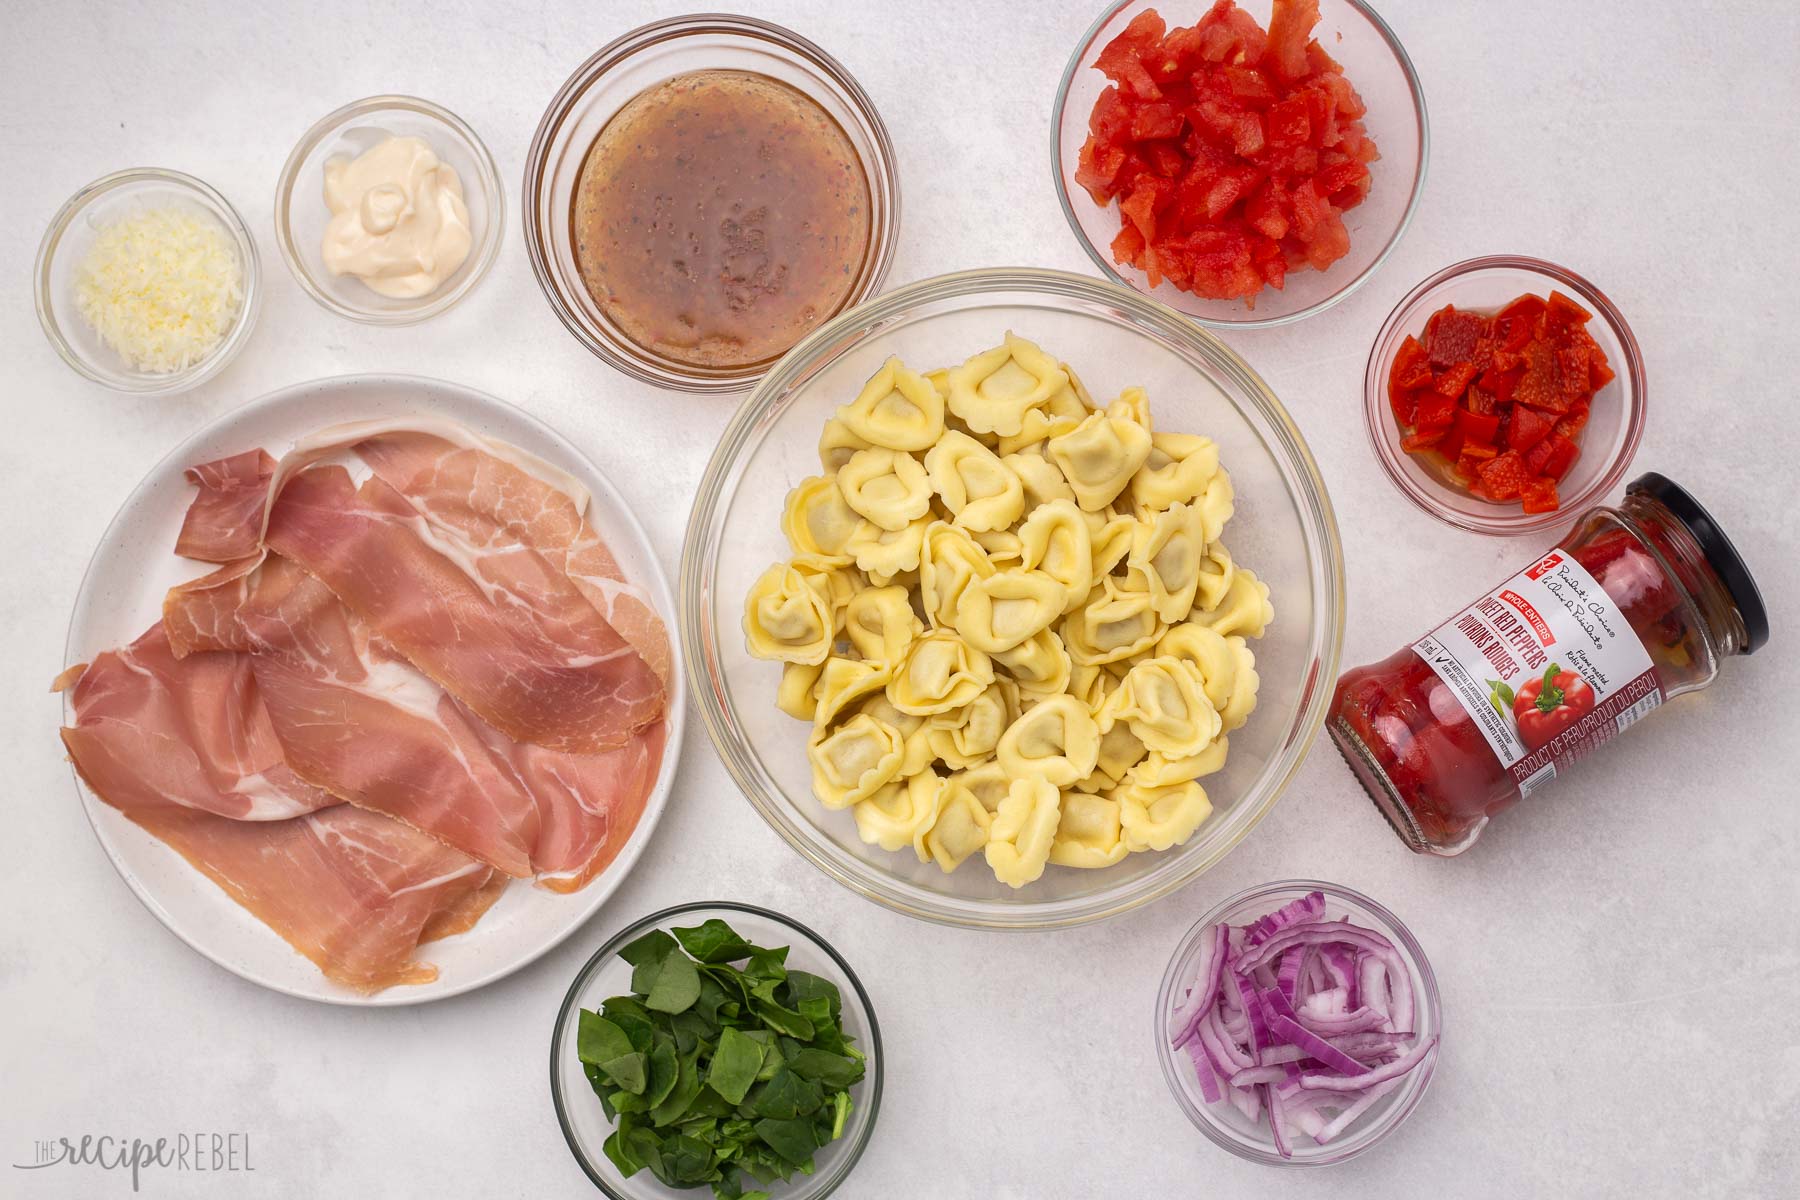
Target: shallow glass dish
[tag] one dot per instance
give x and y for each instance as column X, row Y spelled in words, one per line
column 66, row 244
column 1224, row 1124
column 622, row 70
column 301, row 213
column 1283, row 528
column 1373, row 61
column 605, row 975
column 1615, row 422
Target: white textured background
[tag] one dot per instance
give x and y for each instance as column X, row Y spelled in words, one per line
column 1619, row 960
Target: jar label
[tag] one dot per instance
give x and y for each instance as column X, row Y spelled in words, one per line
column 1547, row 667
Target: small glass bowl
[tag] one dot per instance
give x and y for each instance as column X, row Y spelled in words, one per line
column 1615, row 422
column 605, row 975
column 1283, row 528
column 301, row 214
column 1373, row 61
column 624, row 69
column 66, row 243
column 1224, row 1124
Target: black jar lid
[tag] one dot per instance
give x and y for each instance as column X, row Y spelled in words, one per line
column 1720, row 553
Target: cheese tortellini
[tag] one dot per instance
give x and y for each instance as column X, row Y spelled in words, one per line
column 1010, row 618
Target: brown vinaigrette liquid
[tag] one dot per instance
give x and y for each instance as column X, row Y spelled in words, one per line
column 720, row 217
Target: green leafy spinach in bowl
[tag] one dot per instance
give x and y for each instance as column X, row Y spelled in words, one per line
column 720, row 1062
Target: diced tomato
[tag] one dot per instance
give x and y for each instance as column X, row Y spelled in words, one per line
column 1128, row 247
column 1290, row 28
column 1152, row 121
column 1538, row 495
column 1231, row 152
column 1122, row 58
column 1329, row 241
column 1251, row 87
column 1264, row 214
column 1097, row 168
column 1165, row 159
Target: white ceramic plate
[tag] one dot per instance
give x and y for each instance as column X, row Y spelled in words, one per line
column 122, row 594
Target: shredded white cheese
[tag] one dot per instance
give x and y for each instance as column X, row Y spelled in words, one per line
column 162, row 287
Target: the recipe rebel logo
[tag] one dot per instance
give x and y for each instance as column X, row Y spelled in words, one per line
column 208, row 1153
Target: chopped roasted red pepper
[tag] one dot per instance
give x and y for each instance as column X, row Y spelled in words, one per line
column 1519, row 385
column 1503, row 478
column 1539, row 496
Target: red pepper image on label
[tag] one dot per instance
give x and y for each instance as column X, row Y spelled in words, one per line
column 1546, row 706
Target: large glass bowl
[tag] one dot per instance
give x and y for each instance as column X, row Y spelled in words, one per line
column 1224, row 1124
column 622, row 70
column 1373, row 61
column 1284, row 529
column 605, row 975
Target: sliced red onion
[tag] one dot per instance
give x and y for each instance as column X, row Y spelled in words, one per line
column 1347, row 1118
column 1201, row 996
column 1290, row 1030
column 1246, row 993
column 1251, row 1076
column 1287, row 979
column 1310, row 907
column 1209, row 1080
column 1278, row 1121
column 1416, row 1057
column 1307, row 1017
column 1247, row 1101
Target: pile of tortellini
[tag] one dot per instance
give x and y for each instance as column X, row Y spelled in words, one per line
column 1010, row 619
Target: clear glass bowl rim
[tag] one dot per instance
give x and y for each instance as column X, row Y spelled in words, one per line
column 483, row 254
column 612, row 348
column 1392, row 1117
column 1106, row 266
column 1140, row 310
column 133, row 382
column 1507, row 520
column 870, row 1098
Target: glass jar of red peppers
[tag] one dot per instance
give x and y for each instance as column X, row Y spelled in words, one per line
column 1636, row 605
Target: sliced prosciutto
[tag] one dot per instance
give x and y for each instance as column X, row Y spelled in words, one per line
column 153, row 732
column 372, row 730
column 491, row 501
column 224, row 522
column 526, row 651
column 349, row 889
column 587, row 804
column 388, row 698
column 202, row 614
column 364, row 725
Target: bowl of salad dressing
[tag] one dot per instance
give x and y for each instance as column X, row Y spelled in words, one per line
column 702, row 194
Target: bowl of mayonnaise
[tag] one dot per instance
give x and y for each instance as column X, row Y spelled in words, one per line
column 389, row 210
